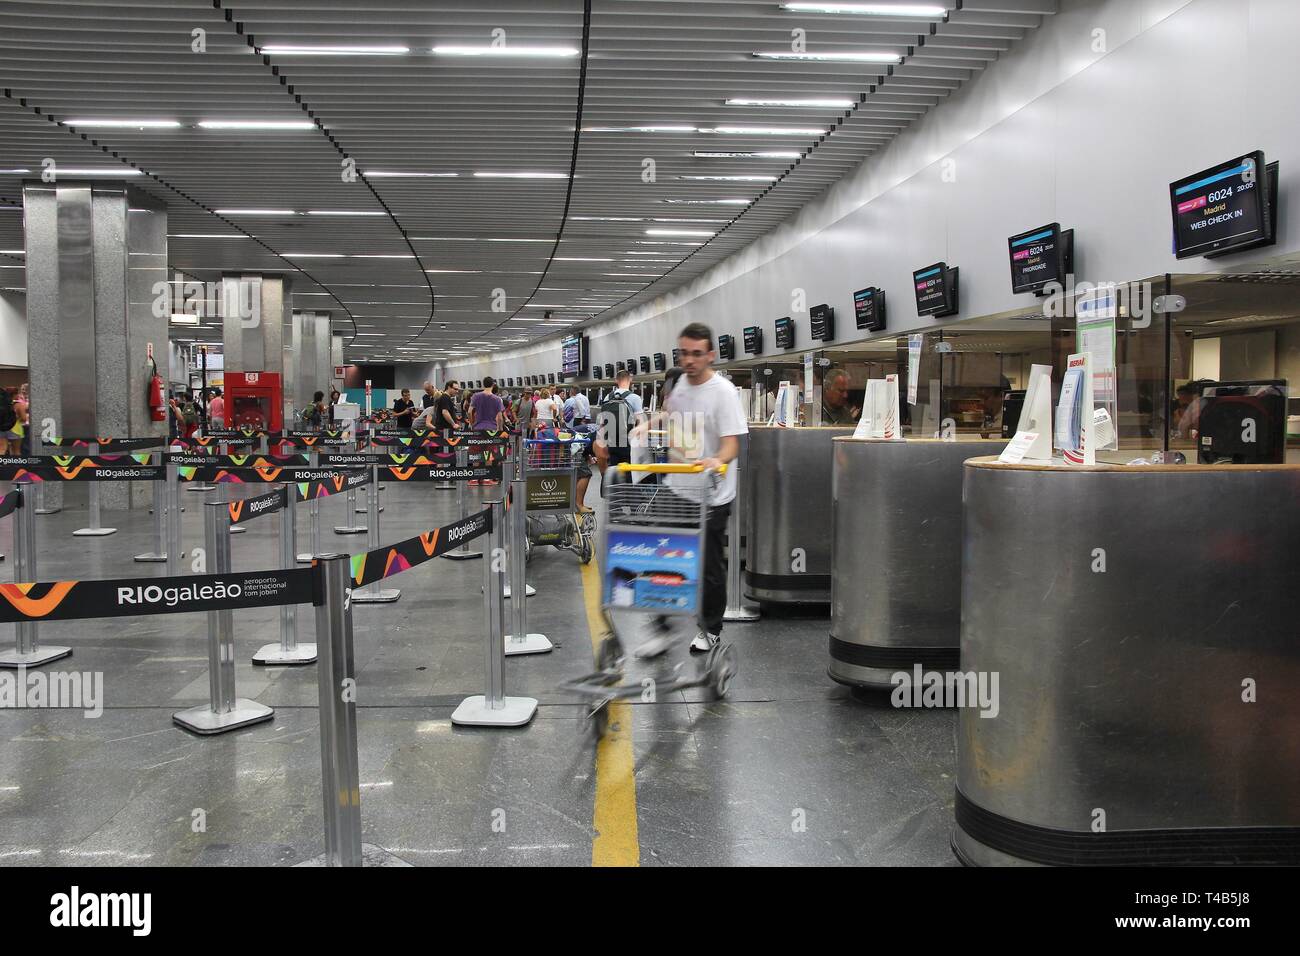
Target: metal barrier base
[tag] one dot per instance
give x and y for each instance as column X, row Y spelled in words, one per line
column 381, row 596
column 462, row 555
column 48, row 511
column 151, row 558
column 742, row 614
column 361, row 509
column 200, row 487
column 93, row 532
column 350, row 529
column 271, row 655
column 371, row 855
column 237, row 529
column 529, row 591
column 304, row 558
column 42, row 655
column 513, row 712
column 202, row 719
column 530, row 644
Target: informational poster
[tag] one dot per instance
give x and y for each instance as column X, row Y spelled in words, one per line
column 913, row 366
column 550, row 491
column 808, row 374
column 651, row 570
column 1096, row 312
column 1074, row 412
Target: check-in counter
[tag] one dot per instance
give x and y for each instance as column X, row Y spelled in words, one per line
column 896, row 555
column 1142, row 625
column 788, row 514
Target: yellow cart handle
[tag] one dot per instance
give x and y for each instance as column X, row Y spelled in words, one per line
column 682, row 468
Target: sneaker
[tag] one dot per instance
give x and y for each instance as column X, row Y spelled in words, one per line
column 704, row 641
column 653, row 647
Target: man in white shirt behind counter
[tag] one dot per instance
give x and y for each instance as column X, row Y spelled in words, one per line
column 705, row 420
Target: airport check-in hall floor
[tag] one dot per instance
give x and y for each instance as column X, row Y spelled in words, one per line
column 791, row 768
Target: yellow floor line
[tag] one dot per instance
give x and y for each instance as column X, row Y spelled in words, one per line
column 614, row 815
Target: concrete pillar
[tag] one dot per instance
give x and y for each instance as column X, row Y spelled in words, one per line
column 311, row 356
column 96, row 259
column 257, row 325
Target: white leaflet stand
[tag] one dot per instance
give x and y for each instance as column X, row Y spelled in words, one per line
column 1035, row 420
column 1074, row 412
column 880, row 418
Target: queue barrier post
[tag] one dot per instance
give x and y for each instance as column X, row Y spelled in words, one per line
column 174, row 553
column 364, row 508
column 27, row 651
column 350, row 511
column 519, row 452
column 288, row 651
column 224, row 711
column 313, row 519
column 463, row 553
column 737, row 610
column 159, row 553
column 40, row 508
column 519, row 641
column 493, row 708
column 372, row 593
column 94, row 530
column 448, row 484
column 225, row 495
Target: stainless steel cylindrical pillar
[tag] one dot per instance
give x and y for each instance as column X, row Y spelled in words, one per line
column 896, row 556
column 336, row 686
column 1135, row 627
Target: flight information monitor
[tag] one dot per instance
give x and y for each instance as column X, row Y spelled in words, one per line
column 936, row 290
column 645, row 363
column 869, row 309
column 785, row 333
column 753, row 340
column 822, row 323
column 1224, row 208
column 573, row 356
column 609, row 370
column 1039, row 257
column 726, row 348
column 661, row 362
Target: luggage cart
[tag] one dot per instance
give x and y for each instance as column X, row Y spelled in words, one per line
column 551, row 480
column 652, row 550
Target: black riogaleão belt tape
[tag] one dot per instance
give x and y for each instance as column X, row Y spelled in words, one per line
column 128, row 597
column 255, row 475
column 9, row 502
column 372, row 566
column 384, row 458
column 225, row 434
column 201, row 442
column 440, row 473
column 345, row 481
column 108, row 444
column 317, row 440
column 84, row 470
column 257, row 505
column 200, row 460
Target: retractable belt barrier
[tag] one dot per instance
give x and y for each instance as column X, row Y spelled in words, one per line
column 75, row 445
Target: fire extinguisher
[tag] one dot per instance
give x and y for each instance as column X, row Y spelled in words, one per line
column 157, row 407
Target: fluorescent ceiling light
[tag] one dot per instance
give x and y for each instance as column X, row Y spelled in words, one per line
column 837, row 57
column 638, row 129
column 285, row 49
column 679, row 232
column 342, row 212
column 607, row 218
column 635, row 275
column 526, row 175
column 765, row 154
column 662, row 242
column 471, row 239
column 538, row 51
column 313, row 255
column 400, row 174
column 925, row 10
column 206, row 235
column 97, row 172
column 578, row 259
column 839, row 103
column 461, row 271
column 255, row 212
column 382, row 255
column 707, row 202
column 735, row 179
column 763, row 131
column 122, row 123
column 19, row 252
column 256, row 124
column 13, row 172
column 678, row 220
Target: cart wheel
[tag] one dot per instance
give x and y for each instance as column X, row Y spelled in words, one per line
column 529, row 548
column 585, row 550
column 722, row 668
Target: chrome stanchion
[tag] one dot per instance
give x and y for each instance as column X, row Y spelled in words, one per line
column 94, row 530
column 519, row 641
column 350, row 510
column 463, row 553
column 493, row 708
column 372, row 593
column 445, row 485
column 40, row 508
column 737, row 610
column 159, row 552
column 225, row 494
column 174, row 510
column 288, row 651
column 313, row 518
column 519, row 451
column 27, row 651
column 224, row 711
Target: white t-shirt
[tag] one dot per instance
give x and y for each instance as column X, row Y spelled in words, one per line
column 699, row 417
column 546, row 410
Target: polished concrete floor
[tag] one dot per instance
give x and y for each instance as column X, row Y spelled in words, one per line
column 790, row 769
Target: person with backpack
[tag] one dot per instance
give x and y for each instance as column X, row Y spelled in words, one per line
column 11, row 437
column 620, row 412
column 313, row 416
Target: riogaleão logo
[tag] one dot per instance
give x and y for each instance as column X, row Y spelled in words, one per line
column 268, row 474
column 48, row 596
column 401, row 474
column 429, row 541
column 72, row 472
column 338, row 482
column 236, row 509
